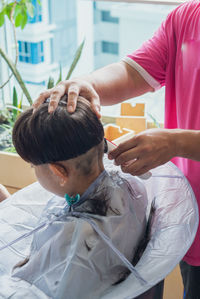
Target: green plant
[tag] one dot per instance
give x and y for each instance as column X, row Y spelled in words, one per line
column 4, row 115
column 155, row 122
column 17, row 12
column 8, row 116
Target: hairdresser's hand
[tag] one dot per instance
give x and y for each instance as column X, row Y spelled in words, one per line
column 146, row 150
column 74, row 88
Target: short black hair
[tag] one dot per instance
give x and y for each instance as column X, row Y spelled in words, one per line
column 41, row 137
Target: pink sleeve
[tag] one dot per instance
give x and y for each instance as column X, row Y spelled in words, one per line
column 156, row 58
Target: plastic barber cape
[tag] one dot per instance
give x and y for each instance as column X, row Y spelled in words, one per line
column 48, row 251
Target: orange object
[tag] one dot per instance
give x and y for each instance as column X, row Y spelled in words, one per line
column 135, row 123
column 128, row 109
column 116, row 134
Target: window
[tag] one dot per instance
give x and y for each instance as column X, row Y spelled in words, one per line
column 24, row 52
column 106, row 17
column 37, row 13
column 31, row 52
column 110, row 47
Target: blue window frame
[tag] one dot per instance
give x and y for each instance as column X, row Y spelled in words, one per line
column 31, row 52
column 43, row 83
column 110, row 47
column 37, row 13
column 106, row 17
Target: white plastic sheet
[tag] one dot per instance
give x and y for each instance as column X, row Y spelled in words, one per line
column 69, row 260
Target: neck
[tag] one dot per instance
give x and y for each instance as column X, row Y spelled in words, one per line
column 82, row 182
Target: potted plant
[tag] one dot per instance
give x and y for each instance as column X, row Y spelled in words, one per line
column 14, row 172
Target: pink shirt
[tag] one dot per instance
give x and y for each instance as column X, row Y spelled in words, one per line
column 172, row 58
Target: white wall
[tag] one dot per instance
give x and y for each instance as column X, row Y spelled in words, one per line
column 85, row 30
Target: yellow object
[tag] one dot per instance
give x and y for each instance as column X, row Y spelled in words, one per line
column 173, row 288
column 15, row 173
column 116, row 134
column 135, row 123
column 127, row 109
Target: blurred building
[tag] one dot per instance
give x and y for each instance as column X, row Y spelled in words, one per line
column 49, row 39
column 121, row 28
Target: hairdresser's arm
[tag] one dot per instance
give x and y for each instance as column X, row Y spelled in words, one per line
column 106, row 86
column 155, row 147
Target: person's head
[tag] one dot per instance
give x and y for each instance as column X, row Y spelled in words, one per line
column 65, row 149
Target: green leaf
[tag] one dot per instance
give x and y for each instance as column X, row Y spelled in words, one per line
column 8, row 10
column 30, row 9
column 18, row 111
column 50, row 83
column 24, row 21
column 15, row 100
column 18, row 20
column 19, row 106
column 156, row 123
column 2, row 18
column 76, row 59
column 15, row 103
column 39, row 2
column 18, row 10
column 20, row 102
column 60, row 75
column 10, row 149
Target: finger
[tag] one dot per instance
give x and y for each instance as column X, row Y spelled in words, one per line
column 95, row 105
column 42, row 97
column 56, row 93
column 143, row 171
column 128, row 156
column 90, row 94
column 122, row 148
column 137, row 167
column 73, row 93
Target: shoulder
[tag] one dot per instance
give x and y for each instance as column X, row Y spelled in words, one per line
column 181, row 22
column 185, row 12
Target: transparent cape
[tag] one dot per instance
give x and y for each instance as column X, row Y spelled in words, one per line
column 48, row 252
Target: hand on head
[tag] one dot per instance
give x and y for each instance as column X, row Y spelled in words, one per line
column 73, row 88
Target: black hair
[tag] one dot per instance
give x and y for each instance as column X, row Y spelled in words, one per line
column 41, row 137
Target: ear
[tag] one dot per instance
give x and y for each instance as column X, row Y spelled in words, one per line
column 60, row 171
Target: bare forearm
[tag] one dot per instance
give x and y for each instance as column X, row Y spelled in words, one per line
column 187, row 143
column 117, row 82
